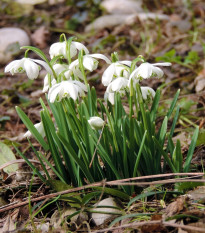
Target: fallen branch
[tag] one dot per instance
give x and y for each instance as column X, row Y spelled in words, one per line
column 109, row 183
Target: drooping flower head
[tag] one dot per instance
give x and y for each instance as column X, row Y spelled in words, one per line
column 58, row 68
column 59, row 48
column 39, row 127
column 27, row 65
column 116, row 69
column 147, row 92
column 89, row 63
column 70, row 88
column 96, row 122
column 147, row 70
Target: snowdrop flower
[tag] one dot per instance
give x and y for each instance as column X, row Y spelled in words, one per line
column 147, row 92
column 59, row 48
column 116, row 69
column 89, row 62
column 27, row 65
column 39, row 127
column 117, row 85
column 58, row 68
column 147, row 70
column 110, row 96
column 96, row 122
column 67, row 88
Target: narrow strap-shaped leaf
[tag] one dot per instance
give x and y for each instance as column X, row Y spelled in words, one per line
column 53, row 147
column 39, row 158
column 147, row 194
column 30, row 164
column 128, row 216
column 191, row 150
column 174, row 101
column 80, row 163
column 27, row 122
column 166, row 157
column 155, row 105
column 179, row 156
column 139, row 155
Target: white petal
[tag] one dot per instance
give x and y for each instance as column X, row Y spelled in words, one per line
column 117, row 84
column 101, row 56
column 159, row 73
column 60, row 68
column 146, row 91
column 90, row 63
column 145, row 70
column 80, row 46
column 44, row 64
column 96, row 122
column 110, row 97
column 77, row 73
column 72, row 90
column 81, row 85
column 108, row 75
column 10, row 66
column 127, row 63
column 58, row 48
column 53, row 92
column 31, row 68
column 162, row 64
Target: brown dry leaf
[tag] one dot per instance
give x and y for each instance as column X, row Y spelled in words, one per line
column 199, row 224
column 9, row 225
column 39, row 37
column 154, row 227
column 200, row 81
column 175, row 207
column 197, row 194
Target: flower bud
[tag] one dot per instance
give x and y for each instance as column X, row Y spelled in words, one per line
column 96, row 122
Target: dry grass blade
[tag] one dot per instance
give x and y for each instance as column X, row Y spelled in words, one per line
column 110, row 183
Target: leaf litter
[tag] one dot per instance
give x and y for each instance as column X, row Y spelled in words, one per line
column 182, row 34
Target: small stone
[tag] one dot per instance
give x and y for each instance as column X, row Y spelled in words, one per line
column 122, row 6
column 110, row 21
column 100, row 218
column 11, row 39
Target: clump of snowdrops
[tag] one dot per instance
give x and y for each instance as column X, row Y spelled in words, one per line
column 92, row 139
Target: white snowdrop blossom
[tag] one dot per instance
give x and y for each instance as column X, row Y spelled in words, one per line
column 147, row 92
column 39, row 127
column 96, row 122
column 58, row 68
column 116, row 69
column 27, row 65
column 147, row 70
column 69, row 88
column 59, row 48
column 117, row 85
column 109, row 96
column 89, row 62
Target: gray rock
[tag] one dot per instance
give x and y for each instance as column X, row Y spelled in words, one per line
column 110, row 21
column 122, row 6
column 11, row 39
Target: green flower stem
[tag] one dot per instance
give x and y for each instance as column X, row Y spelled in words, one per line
column 80, row 58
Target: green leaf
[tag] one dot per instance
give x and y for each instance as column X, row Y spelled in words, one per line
column 27, row 122
column 147, row 194
column 128, row 216
column 191, row 150
column 6, row 155
column 113, row 192
column 160, row 148
column 35, row 170
column 174, row 101
column 73, row 198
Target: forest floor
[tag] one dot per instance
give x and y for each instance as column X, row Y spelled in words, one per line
column 179, row 40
